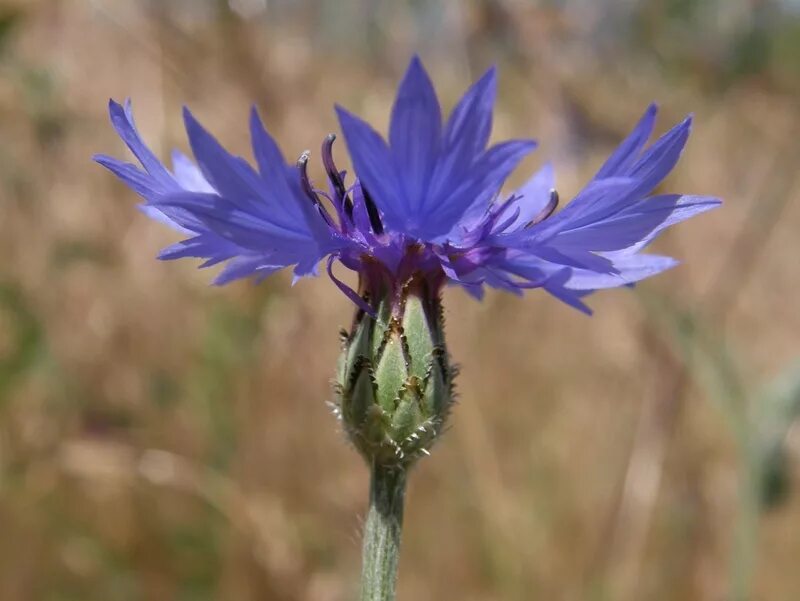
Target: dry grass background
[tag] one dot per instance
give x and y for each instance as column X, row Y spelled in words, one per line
column 161, row 439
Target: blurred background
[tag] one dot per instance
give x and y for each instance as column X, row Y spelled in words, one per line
column 161, row 439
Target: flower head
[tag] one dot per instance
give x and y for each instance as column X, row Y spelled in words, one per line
column 425, row 204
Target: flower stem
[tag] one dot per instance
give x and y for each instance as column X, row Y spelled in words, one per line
column 382, row 533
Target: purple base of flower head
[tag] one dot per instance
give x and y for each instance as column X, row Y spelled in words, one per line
column 427, row 203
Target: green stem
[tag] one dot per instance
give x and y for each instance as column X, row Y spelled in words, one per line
column 382, row 533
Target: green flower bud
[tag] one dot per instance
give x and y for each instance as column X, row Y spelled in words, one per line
column 395, row 382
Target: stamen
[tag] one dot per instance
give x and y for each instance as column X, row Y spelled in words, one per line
column 372, row 211
column 548, row 209
column 308, row 189
column 335, row 176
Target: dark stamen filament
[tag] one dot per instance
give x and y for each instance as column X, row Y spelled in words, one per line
column 335, row 176
column 372, row 211
column 308, row 189
column 548, row 209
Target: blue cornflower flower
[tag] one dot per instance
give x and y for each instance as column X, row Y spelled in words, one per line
column 427, row 203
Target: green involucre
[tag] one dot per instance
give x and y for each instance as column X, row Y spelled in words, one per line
column 395, row 383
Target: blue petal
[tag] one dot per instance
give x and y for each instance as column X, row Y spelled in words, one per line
column 375, row 168
column 278, row 205
column 260, row 222
column 604, row 199
column 635, row 223
column 621, row 229
column 152, row 184
column 239, row 226
column 424, row 187
column 597, row 200
column 630, row 268
column 232, row 177
column 531, row 268
column 202, row 246
column 122, row 120
column 465, row 136
column 140, row 182
column 162, row 217
column 415, row 133
column 565, row 256
column 627, row 152
column 658, row 160
column 534, row 196
column 268, row 155
column 682, row 209
column 471, row 198
column 470, row 124
column 245, row 266
column 556, row 286
column 287, row 204
column 188, row 175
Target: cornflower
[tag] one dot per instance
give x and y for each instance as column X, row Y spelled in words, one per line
column 423, row 209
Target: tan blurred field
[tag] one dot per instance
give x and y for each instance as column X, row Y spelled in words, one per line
column 162, row 439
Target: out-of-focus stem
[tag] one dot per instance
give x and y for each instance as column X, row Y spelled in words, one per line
column 382, row 533
column 745, row 534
